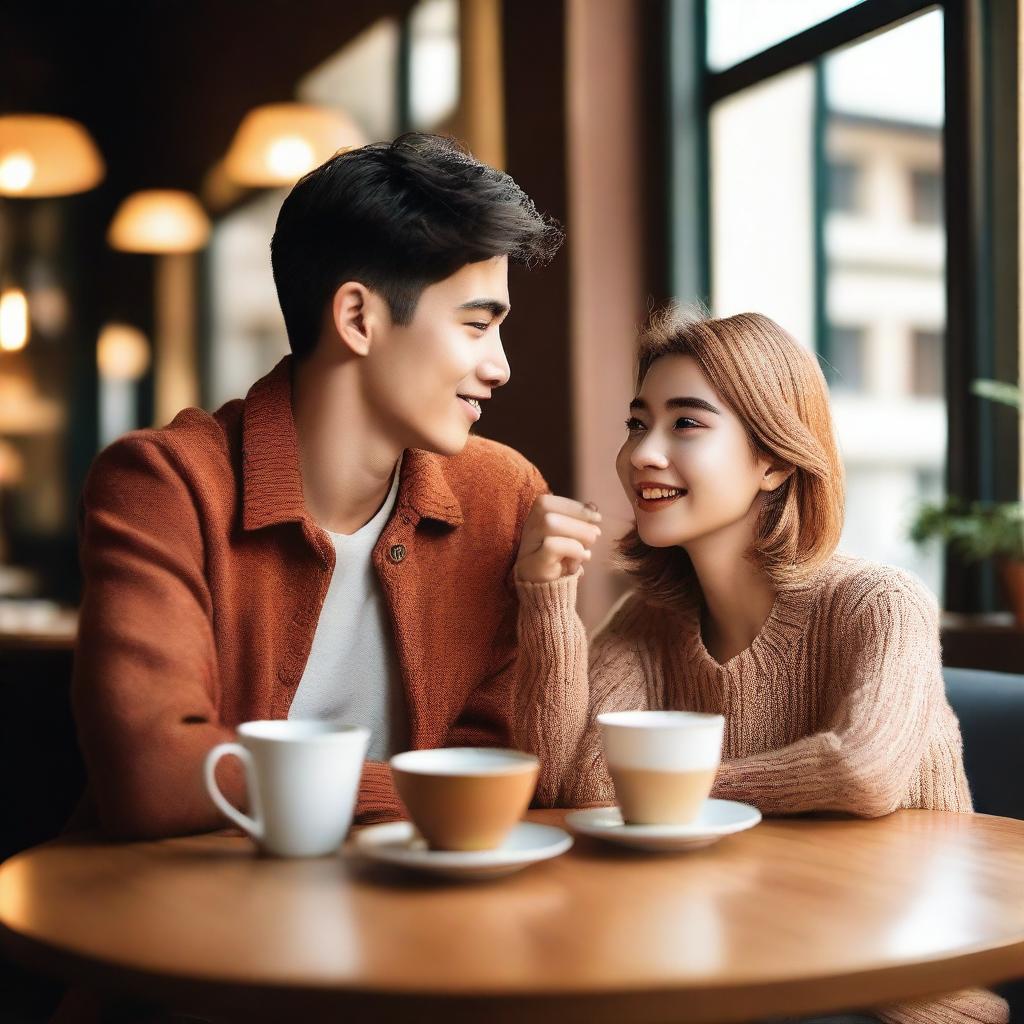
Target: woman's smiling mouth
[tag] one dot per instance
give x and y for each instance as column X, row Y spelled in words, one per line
column 652, row 497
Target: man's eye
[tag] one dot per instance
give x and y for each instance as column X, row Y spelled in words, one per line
column 634, row 424
column 479, row 326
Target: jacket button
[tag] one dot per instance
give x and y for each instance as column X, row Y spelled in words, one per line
column 396, row 552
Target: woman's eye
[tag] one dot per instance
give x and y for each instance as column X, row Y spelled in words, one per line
column 634, row 424
column 684, row 422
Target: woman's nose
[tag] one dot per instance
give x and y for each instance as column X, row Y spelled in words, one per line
column 648, row 455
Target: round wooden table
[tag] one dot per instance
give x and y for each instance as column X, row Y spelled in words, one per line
column 792, row 917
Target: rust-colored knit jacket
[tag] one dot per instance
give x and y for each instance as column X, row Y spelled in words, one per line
column 204, row 579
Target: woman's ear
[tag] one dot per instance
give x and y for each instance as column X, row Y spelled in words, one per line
column 775, row 475
column 350, row 313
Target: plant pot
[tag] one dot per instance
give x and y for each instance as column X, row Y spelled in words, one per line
column 1011, row 570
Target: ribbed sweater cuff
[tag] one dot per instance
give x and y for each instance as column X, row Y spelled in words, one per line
column 555, row 599
column 378, row 800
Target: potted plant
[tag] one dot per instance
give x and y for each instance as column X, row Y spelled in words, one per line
column 980, row 530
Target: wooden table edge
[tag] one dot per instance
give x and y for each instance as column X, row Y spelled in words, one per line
column 688, row 1005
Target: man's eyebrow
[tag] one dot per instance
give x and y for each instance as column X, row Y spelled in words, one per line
column 493, row 306
column 678, row 403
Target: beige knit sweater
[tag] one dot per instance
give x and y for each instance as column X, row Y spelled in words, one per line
column 838, row 704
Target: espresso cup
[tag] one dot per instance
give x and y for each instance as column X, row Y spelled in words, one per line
column 663, row 763
column 303, row 780
column 465, row 798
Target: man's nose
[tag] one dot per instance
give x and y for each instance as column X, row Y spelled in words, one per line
column 494, row 369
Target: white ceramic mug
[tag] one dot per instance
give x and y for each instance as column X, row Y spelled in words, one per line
column 303, row 780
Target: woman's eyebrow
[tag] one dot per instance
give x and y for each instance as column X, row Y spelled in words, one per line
column 677, row 403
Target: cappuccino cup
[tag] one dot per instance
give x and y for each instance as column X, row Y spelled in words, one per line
column 465, row 798
column 662, row 763
column 303, row 780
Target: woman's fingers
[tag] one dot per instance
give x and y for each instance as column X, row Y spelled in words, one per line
column 557, row 524
column 557, row 538
column 586, row 512
column 557, row 556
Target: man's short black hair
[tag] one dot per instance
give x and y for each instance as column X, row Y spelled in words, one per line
column 396, row 217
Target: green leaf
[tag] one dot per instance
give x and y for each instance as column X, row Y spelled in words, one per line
column 998, row 391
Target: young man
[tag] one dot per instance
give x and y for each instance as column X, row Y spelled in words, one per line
column 335, row 544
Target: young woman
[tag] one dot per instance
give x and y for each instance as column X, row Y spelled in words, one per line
column 827, row 668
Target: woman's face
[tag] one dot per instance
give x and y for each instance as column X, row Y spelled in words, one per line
column 687, row 465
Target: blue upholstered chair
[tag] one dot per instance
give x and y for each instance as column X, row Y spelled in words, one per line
column 990, row 706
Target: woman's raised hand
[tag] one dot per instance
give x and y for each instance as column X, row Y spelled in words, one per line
column 557, row 538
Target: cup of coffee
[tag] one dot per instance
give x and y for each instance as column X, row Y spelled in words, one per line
column 303, row 780
column 465, row 798
column 663, row 763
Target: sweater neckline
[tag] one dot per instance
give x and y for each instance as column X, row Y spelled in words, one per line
column 775, row 640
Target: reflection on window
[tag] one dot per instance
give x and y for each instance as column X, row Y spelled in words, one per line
column 844, row 186
column 846, row 354
column 926, row 196
column 927, row 366
column 881, row 255
column 738, row 29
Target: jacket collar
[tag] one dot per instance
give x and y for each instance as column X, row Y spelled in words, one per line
column 272, row 479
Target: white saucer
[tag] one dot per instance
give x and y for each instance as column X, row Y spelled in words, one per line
column 398, row 843
column 717, row 818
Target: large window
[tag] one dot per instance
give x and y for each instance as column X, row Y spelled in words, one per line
column 825, row 195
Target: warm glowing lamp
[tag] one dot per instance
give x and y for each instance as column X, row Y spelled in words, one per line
column 276, row 144
column 159, row 221
column 122, row 352
column 13, row 320
column 42, row 155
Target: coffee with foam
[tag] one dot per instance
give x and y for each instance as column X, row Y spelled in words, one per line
column 663, row 763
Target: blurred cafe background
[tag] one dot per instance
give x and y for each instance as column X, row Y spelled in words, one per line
column 850, row 169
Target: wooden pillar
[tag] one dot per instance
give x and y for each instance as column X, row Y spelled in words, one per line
column 482, row 114
column 176, row 371
column 607, row 160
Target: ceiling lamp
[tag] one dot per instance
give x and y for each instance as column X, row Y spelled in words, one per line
column 159, row 221
column 122, row 352
column 277, row 144
column 42, row 155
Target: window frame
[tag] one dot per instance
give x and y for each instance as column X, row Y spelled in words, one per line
column 979, row 177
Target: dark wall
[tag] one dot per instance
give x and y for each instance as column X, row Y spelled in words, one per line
column 534, row 412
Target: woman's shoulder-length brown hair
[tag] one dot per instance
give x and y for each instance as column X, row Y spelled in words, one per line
column 776, row 388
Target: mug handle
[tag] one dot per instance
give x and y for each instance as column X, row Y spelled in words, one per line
column 253, row 825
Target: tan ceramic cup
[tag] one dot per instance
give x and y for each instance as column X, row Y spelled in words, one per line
column 662, row 763
column 465, row 798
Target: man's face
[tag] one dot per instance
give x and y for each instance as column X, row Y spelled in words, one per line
column 430, row 378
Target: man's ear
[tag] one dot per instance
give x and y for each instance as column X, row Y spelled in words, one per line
column 775, row 474
column 350, row 311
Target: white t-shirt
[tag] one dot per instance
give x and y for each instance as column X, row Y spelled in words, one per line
column 352, row 673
